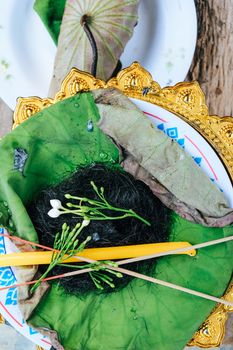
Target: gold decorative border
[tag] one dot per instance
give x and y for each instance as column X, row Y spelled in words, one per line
column 185, row 100
column 76, row 81
column 2, row 321
column 212, row 331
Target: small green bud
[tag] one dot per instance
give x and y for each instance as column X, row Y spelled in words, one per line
column 112, row 285
column 75, row 243
column 64, row 226
column 119, row 275
column 99, row 286
column 88, row 239
column 69, row 205
column 111, row 263
column 77, row 226
column 85, row 209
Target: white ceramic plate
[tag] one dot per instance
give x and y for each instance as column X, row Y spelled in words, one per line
column 163, row 42
column 193, row 143
column 187, row 138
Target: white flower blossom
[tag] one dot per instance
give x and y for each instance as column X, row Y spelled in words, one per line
column 54, row 213
column 85, row 222
column 55, row 203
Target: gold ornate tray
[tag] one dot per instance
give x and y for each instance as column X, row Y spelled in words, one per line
column 187, row 101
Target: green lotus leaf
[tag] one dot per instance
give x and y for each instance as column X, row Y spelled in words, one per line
column 111, row 23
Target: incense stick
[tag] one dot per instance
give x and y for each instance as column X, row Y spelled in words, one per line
column 136, row 275
column 144, row 277
column 175, row 251
column 131, row 260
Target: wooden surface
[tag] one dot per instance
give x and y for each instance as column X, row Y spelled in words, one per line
column 212, row 66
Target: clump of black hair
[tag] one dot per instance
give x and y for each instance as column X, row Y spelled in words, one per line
column 121, row 190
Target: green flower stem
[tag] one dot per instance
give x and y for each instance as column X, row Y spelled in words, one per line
column 85, row 214
column 95, row 211
column 65, row 244
column 75, row 266
column 97, row 218
column 117, row 274
column 105, row 217
column 96, row 281
column 36, row 285
column 99, row 277
column 90, row 201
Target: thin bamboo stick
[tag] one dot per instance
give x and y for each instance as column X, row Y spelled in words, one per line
column 148, row 278
column 175, row 251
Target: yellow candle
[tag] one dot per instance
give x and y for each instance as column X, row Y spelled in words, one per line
column 108, row 253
